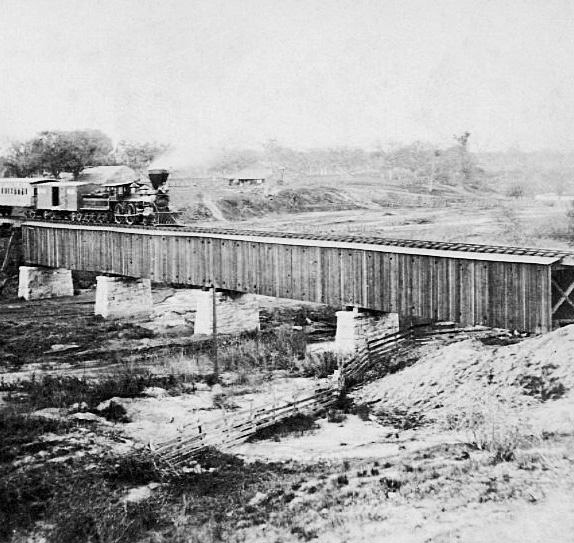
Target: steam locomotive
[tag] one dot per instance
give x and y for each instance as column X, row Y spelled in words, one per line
column 121, row 202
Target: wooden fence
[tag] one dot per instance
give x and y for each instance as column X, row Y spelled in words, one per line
column 233, row 428
column 236, row 427
column 375, row 349
column 379, row 347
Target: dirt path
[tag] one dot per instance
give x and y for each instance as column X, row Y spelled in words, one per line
column 212, row 206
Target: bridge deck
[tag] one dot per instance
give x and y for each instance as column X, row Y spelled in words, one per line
column 509, row 287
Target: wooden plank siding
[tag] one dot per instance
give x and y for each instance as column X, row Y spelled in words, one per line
column 514, row 295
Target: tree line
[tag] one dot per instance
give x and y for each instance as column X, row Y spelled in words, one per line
column 416, row 163
column 54, row 152
column 57, row 151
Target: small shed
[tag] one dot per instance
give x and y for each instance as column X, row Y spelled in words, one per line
column 249, row 176
column 102, row 175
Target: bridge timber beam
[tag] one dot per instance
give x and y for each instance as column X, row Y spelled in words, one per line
column 470, row 285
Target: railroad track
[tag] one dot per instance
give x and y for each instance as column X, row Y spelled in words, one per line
column 371, row 240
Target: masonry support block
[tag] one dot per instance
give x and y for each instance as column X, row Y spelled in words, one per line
column 123, row 297
column 38, row 283
column 235, row 313
column 355, row 325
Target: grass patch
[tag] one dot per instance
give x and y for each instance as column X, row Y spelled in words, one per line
column 63, row 391
column 18, row 433
column 81, row 505
column 278, row 349
column 30, row 342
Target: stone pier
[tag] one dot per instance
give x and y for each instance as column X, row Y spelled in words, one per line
column 355, row 325
column 122, row 297
column 38, row 283
column 235, row 313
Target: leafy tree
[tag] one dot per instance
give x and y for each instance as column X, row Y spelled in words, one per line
column 417, row 157
column 59, row 151
column 21, row 160
column 73, row 151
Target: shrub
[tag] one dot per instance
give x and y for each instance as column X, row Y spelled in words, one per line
column 296, row 425
column 320, row 364
column 115, row 412
column 362, row 411
column 401, row 418
column 336, row 416
column 515, row 190
column 491, row 423
column 138, row 468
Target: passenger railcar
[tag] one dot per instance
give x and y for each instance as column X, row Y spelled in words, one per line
column 18, row 192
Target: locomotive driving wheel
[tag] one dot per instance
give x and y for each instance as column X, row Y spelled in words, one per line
column 119, row 212
column 131, row 214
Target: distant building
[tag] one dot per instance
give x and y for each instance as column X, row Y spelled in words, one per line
column 107, row 174
column 249, row 176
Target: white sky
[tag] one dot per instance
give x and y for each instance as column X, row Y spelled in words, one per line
column 307, row 72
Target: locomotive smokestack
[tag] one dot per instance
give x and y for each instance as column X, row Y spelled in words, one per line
column 157, row 177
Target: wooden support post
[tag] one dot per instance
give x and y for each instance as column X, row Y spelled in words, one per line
column 214, row 334
column 6, row 260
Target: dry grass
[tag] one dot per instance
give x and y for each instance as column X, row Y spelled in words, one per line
column 491, row 423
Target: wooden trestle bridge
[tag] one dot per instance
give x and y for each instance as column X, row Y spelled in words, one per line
column 506, row 287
